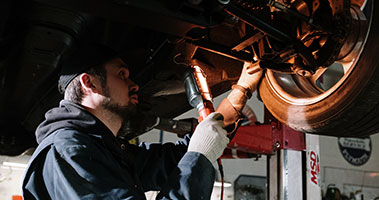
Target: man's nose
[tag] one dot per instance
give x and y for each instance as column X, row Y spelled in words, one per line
column 133, row 86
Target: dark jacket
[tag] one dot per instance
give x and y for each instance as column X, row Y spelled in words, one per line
column 79, row 158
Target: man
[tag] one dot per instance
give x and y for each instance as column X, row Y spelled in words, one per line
column 80, row 157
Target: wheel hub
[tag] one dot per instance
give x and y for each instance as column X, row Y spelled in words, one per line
column 309, row 87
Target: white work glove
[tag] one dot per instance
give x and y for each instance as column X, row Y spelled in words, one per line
column 250, row 76
column 209, row 137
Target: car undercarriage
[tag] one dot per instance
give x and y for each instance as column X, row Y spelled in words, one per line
column 297, row 42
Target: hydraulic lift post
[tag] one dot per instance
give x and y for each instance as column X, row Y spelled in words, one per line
column 292, row 158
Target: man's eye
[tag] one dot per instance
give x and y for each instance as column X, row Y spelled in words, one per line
column 124, row 73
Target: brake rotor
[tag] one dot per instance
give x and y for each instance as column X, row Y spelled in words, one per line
column 324, row 38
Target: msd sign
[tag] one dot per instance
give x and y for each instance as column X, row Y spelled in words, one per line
column 313, row 167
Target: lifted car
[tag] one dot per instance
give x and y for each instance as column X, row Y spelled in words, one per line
column 320, row 57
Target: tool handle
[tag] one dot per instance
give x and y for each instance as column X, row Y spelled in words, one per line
column 208, row 109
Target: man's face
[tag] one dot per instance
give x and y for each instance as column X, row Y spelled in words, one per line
column 120, row 92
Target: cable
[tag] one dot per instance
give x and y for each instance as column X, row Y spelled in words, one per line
column 221, row 169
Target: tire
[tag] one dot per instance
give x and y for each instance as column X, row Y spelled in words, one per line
column 350, row 108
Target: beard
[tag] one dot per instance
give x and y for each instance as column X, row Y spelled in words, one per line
column 125, row 112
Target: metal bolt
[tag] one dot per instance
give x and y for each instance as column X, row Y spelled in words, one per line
column 277, row 144
column 304, row 73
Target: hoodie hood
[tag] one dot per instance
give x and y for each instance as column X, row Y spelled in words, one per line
column 70, row 116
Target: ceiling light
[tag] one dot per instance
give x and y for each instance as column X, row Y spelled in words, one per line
column 13, row 164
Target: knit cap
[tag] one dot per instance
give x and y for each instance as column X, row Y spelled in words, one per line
column 83, row 58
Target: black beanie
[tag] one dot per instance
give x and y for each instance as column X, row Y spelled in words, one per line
column 85, row 57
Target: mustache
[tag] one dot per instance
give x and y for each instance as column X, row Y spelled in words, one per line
column 133, row 93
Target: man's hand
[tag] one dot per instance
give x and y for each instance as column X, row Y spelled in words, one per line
column 209, row 137
column 232, row 106
column 250, row 76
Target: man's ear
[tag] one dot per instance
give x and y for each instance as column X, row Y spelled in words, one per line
column 89, row 83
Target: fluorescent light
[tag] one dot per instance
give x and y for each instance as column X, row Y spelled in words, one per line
column 226, row 184
column 13, row 164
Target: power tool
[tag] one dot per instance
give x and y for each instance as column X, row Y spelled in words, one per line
column 200, row 97
column 198, row 92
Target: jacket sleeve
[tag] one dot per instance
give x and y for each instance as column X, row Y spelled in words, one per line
column 169, row 168
column 154, row 162
column 192, row 179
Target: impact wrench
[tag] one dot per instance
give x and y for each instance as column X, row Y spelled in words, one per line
column 200, row 97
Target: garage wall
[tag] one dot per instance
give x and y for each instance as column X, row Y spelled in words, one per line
column 12, row 171
column 10, row 182
column 349, row 179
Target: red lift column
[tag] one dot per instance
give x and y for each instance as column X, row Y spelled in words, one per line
column 290, row 160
